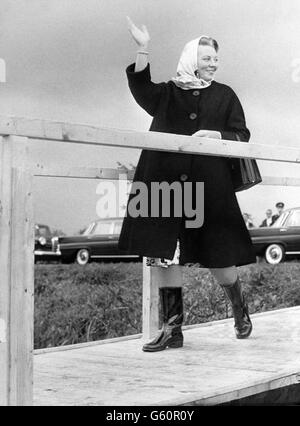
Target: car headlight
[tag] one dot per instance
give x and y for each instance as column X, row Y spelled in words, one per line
column 42, row 241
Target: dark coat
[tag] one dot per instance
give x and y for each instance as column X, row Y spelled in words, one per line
column 264, row 223
column 223, row 240
column 274, row 218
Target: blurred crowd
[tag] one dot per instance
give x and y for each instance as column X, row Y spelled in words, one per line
column 270, row 217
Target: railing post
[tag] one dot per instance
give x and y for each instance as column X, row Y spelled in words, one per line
column 17, row 274
column 150, row 302
column 153, row 279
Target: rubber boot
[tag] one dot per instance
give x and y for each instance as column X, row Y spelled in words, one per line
column 242, row 322
column 172, row 309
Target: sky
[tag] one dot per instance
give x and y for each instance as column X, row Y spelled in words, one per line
column 66, row 60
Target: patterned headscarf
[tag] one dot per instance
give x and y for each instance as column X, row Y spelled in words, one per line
column 187, row 65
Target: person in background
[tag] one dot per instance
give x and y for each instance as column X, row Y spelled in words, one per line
column 268, row 221
column 248, row 220
column 279, row 206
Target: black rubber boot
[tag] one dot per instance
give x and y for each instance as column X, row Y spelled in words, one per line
column 172, row 309
column 242, row 321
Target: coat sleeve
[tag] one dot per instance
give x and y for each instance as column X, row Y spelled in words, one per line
column 146, row 93
column 235, row 128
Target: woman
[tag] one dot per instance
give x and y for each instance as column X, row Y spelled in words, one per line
column 193, row 104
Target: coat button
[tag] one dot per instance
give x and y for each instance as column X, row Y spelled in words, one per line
column 183, row 177
column 196, row 93
column 193, row 116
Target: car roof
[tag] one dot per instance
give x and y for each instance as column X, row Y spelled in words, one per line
column 292, row 208
column 40, row 225
column 108, row 219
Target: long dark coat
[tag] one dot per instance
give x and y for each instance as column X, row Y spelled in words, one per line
column 223, row 240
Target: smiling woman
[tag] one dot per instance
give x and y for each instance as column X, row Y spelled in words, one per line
column 193, row 104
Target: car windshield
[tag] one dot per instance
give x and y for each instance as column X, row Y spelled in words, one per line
column 88, row 229
column 42, row 231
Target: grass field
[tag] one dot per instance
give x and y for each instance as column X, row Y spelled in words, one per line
column 76, row 304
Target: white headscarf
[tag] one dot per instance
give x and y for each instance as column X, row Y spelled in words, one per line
column 187, row 65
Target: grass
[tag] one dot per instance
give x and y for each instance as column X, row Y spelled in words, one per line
column 76, row 304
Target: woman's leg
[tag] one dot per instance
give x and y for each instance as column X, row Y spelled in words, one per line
column 229, row 281
column 168, row 277
column 225, row 276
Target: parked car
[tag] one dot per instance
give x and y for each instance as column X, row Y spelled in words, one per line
column 45, row 245
column 98, row 241
column 280, row 240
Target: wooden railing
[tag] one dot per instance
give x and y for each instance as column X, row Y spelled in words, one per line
column 17, row 170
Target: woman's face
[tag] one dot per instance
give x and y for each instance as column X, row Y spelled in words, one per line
column 207, row 62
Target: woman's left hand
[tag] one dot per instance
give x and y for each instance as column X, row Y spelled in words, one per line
column 213, row 134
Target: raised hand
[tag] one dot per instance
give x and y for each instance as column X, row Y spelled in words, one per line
column 140, row 36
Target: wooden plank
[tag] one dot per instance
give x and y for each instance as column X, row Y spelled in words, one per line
column 213, row 367
column 93, row 135
column 150, row 303
column 153, row 279
column 5, row 232
column 22, row 290
column 280, row 181
column 16, row 265
column 83, row 172
column 119, row 174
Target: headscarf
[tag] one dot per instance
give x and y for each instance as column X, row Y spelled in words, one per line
column 187, row 65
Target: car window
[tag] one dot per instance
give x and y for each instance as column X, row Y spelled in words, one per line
column 117, row 228
column 42, row 231
column 281, row 220
column 294, row 219
column 102, row 228
column 89, row 229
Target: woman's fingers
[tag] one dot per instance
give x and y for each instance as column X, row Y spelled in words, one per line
column 200, row 133
column 213, row 134
column 131, row 25
column 141, row 36
column 145, row 31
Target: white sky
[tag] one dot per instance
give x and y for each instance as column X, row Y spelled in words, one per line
column 66, row 61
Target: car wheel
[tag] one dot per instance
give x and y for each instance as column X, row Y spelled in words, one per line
column 274, row 254
column 82, row 257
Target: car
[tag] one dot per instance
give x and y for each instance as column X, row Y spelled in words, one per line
column 98, row 241
column 45, row 245
column 279, row 241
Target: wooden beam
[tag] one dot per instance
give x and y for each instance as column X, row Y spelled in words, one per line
column 93, row 135
column 17, row 275
column 150, row 303
column 280, row 181
column 153, row 279
column 83, row 172
column 119, row 174
column 22, row 290
column 5, row 257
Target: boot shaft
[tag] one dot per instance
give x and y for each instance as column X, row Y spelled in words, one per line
column 171, row 304
column 235, row 294
column 242, row 321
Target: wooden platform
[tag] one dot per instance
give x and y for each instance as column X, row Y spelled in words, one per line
column 213, row 367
